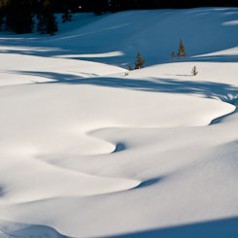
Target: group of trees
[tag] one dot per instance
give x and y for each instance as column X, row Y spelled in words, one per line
column 100, row 6
column 21, row 16
column 181, row 53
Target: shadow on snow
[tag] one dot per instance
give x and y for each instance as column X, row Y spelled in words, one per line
column 222, row 91
column 211, row 229
column 204, row 31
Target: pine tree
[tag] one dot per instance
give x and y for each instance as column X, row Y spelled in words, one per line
column 67, row 13
column 51, row 26
column 2, row 15
column 41, row 25
column 47, row 23
column 181, row 50
column 98, row 7
column 194, row 71
column 139, row 61
column 20, row 16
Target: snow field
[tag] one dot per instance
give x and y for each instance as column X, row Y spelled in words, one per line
column 86, row 151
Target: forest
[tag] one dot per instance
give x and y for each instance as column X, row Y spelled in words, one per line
column 21, row 16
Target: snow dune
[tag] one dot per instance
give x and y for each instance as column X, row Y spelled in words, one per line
column 88, row 149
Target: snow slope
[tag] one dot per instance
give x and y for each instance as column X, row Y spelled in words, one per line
column 88, row 149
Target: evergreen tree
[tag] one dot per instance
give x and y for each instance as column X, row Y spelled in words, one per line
column 41, row 25
column 115, row 5
column 2, row 14
column 47, row 23
column 194, row 71
column 139, row 61
column 51, row 26
column 20, row 16
column 181, row 50
column 98, row 7
column 67, row 15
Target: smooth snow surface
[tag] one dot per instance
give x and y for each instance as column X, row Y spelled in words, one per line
column 88, row 149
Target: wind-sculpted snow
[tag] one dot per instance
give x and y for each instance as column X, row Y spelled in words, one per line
column 20, row 230
column 89, row 149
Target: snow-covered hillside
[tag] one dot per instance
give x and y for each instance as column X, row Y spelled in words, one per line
column 88, row 149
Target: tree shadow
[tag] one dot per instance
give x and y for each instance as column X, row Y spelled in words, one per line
column 222, row 91
column 223, row 228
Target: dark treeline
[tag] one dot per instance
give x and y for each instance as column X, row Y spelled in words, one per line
column 22, row 16
column 120, row 5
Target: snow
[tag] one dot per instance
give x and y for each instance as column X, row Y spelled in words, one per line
column 89, row 149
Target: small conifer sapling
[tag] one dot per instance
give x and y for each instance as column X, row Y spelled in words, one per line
column 181, row 50
column 194, row 71
column 139, row 61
